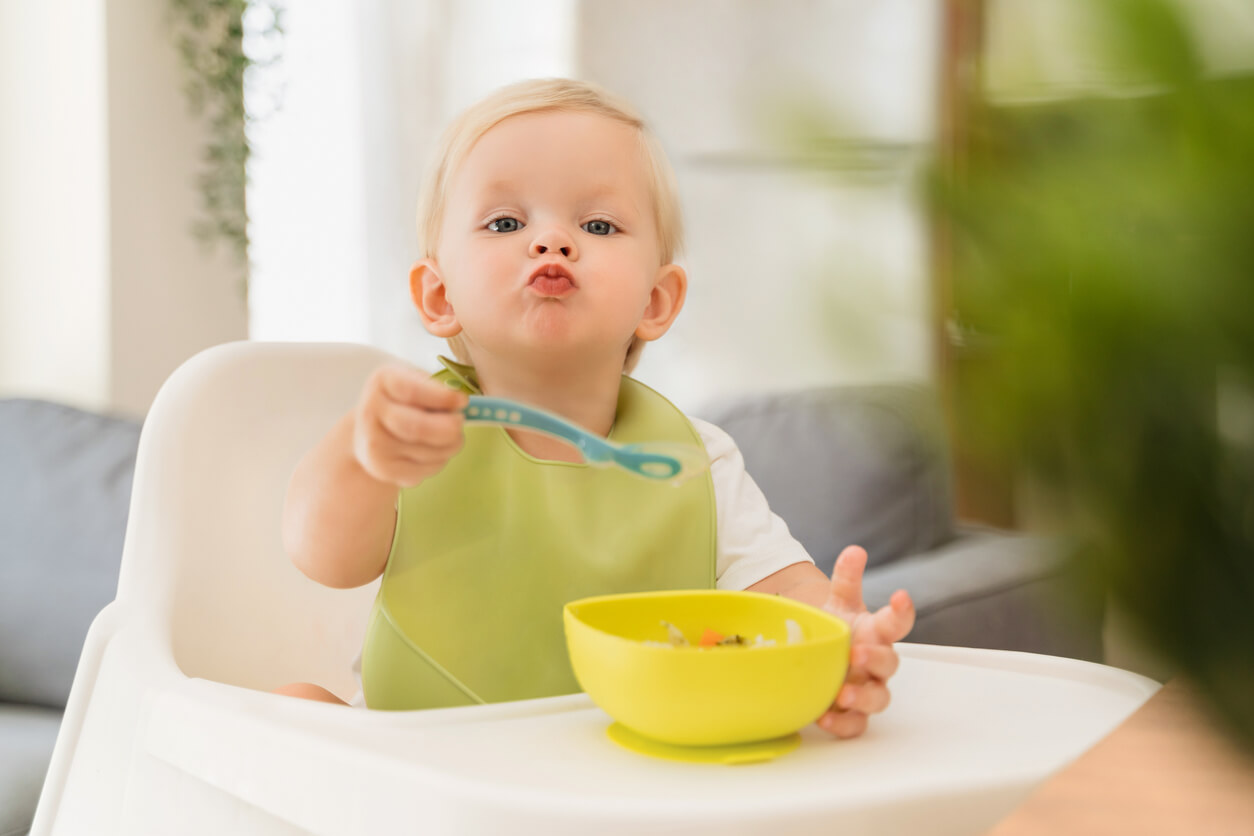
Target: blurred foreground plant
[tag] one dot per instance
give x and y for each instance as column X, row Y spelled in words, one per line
column 1106, row 247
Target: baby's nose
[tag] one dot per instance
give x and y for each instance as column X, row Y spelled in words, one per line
column 553, row 241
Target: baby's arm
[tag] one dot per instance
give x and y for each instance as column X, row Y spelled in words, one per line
column 340, row 510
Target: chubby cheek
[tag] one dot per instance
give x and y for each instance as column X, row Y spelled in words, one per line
column 475, row 275
column 629, row 304
column 493, row 267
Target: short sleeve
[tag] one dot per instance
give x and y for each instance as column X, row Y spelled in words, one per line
column 753, row 542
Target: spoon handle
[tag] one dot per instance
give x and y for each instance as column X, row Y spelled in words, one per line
column 488, row 410
column 639, row 459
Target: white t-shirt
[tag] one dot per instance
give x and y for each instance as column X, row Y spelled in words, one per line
column 753, row 542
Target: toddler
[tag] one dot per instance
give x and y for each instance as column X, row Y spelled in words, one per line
column 549, row 227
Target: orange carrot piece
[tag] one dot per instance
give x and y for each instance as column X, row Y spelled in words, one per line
column 710, row 638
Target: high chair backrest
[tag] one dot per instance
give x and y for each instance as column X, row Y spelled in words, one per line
column 203, row 553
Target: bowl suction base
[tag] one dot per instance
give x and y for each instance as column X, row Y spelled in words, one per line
column 736, row 753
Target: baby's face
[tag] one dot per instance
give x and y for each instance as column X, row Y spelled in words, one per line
column 549, row 241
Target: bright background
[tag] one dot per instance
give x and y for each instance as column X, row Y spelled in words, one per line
column 332, row 250
column 796, row 279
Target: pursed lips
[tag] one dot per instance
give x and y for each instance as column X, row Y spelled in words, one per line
column 552, row 281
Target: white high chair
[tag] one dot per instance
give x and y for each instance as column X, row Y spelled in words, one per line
column 170, row 727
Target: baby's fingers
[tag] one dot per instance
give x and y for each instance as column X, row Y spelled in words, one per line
column 845, row 597
column 410, row 425
column 867, row 697
column 404, row 385
column 398, row 470
column 888, row 624
column 872, row 661
column 843, row 724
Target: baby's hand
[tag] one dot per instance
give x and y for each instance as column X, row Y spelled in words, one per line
column 406, row 426
column 872, row 659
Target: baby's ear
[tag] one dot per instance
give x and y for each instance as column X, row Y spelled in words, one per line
column 430, row 296
column 665, row 302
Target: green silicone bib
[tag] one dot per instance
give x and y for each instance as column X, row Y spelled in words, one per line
column 488, row 551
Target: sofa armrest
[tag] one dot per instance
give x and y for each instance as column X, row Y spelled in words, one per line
column 997, row 590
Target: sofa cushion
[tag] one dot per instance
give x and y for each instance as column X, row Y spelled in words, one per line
column 845, row 465
column 65, row 487
column 994, row 589
column 28, row 734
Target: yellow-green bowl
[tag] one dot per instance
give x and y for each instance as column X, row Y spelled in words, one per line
column 694, row 696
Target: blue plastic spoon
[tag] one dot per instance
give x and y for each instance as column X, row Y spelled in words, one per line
column 664, row 461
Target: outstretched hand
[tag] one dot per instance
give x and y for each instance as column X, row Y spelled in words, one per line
column 872, row 659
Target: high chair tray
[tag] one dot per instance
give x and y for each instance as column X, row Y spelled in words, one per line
column 968, row 735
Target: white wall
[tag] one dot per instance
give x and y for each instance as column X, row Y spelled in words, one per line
column 103, row 289
column 171, row 297
column 54, row 248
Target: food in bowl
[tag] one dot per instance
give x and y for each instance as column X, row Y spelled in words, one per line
column 713, row 638
column 690, row 695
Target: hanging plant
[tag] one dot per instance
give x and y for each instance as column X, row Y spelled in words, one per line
column 218, row 60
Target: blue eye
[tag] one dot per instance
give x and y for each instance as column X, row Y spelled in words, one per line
column 505, row 225
column 599, row 227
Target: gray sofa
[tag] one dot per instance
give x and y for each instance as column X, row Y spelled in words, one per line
column 869, row 465
column 841, row 465
column 65, row 485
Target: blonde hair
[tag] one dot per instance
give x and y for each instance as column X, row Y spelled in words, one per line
column 538, row 96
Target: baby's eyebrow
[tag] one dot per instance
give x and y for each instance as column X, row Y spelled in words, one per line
column 602, row 191
column 621, row 198
column 496, row 190
column 498, row 187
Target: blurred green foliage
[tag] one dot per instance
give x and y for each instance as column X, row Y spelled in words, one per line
column 1104, row 247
